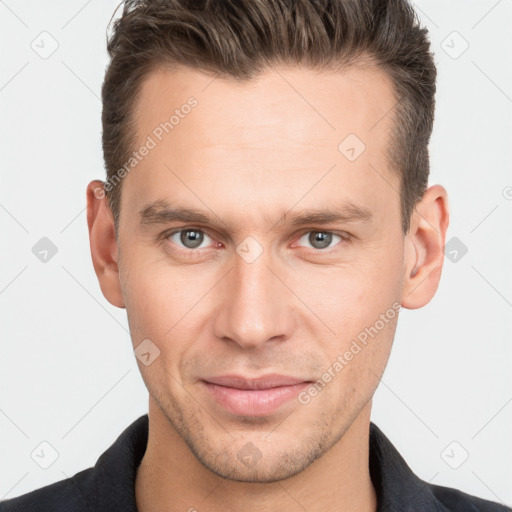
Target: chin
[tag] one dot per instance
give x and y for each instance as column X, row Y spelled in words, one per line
column 250, row 464
column 261, row 475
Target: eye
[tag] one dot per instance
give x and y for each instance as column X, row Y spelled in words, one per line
column 321, row 239
column 194, row 239
column 190, row 238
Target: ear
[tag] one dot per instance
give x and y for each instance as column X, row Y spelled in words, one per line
column 104, row 250
column 424, row 248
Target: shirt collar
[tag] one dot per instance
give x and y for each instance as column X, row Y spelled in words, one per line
column 397, row 487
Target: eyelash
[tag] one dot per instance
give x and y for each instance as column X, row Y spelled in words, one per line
column 192, row 253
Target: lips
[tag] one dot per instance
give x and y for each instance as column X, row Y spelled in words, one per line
column 264, row 382
column 260, row 396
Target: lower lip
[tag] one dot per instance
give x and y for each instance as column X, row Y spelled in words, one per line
column 253, row 402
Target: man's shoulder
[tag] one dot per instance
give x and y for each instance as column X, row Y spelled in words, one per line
column 454, row 500
column 400, row 489
column 108, row 485
column 62, row 496
column 66, row 495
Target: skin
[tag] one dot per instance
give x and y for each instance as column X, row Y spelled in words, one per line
column 245, row 155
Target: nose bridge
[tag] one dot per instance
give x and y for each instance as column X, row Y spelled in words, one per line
column 253, row 308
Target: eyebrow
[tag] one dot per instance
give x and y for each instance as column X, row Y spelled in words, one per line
column 162, row 212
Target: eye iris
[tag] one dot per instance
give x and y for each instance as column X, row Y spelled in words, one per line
column 195, row 238
column 319, row 236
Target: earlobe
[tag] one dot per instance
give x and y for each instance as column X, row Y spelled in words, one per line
column 103, row 243
column 424, row 248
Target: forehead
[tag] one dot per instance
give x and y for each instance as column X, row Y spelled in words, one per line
column 283, row 130
column 299, row 104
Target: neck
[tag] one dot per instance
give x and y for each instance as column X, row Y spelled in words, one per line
column 170, row 478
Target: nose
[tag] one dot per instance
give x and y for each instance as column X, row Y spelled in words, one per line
column 255, row 305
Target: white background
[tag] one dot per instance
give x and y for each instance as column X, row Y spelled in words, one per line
column 68, row 374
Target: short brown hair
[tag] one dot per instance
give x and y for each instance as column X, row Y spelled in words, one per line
column 240, row 39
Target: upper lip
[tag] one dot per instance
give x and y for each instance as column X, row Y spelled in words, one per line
column 262, row 382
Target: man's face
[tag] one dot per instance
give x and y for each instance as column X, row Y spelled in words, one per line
column 249, row 292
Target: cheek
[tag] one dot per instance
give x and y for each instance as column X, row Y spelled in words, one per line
column 158, row 294
column 359, row 303
column 357, row 356
column 349, row 298
column 163, row 304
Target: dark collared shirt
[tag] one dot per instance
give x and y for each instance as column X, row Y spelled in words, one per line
column 109, row 486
